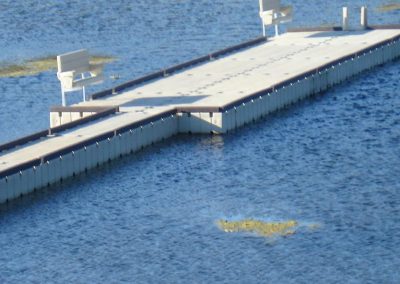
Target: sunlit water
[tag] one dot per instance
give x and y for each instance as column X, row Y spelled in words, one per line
column 332, row 160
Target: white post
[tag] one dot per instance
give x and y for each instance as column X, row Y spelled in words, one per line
column 83, row 89
column 276, row 25
column 63, row 99
column 364, row 17
column 345, row 20
column 263, row 26
column 261, row 4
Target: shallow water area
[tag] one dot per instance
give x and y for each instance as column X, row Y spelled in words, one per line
column 331, row 162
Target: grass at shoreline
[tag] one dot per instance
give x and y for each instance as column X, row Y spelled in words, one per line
column 39, row 65
column 389, row 7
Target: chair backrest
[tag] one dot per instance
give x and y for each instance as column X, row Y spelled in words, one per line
column 74, row 61
column 266, row 5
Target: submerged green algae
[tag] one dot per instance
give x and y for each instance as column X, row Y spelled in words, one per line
column 264, row 229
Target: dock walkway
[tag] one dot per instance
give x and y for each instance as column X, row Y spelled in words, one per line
column 215, row 96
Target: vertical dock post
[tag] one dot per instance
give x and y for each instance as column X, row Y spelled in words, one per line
column 63, row 99
column 364, row 17
column 83, row 89
column 276, row 24
column 345, row 19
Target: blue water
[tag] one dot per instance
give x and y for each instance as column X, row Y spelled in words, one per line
column 332, row 160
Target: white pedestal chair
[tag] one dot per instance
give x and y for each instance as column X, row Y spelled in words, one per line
column 271, row 13
column 75, row 72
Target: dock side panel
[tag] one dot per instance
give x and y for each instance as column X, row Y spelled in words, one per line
column 3, row 190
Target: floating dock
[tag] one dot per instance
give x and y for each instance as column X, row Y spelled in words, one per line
column 212, row 94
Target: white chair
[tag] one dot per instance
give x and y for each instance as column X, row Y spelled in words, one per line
column 271, row 13
column 75, row 72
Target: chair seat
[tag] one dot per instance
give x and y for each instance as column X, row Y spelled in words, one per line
column 88, row 81
column 71, row 81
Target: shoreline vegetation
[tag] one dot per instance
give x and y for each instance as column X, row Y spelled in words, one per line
column 35, row 66
column 388, row 7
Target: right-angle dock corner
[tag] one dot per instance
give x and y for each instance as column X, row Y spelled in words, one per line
column 213, row 94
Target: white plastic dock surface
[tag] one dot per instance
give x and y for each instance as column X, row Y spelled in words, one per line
column 213, row 84
column 219, row 82
column 69, row 137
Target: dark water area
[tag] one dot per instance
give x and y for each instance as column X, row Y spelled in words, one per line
column 332, row 160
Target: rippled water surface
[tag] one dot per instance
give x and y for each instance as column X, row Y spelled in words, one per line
column 332, row 160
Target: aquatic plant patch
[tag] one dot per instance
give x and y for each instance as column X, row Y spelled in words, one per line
column 39, row 65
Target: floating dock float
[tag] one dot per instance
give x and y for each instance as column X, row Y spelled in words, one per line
column 216, row 93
